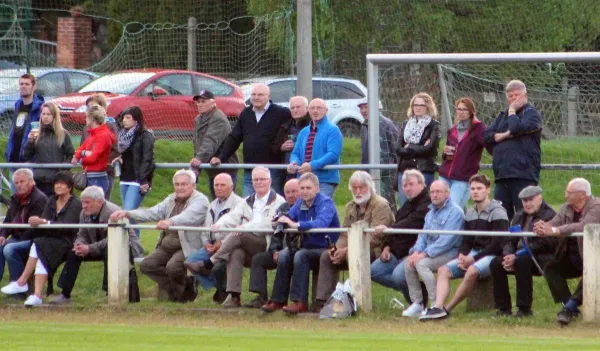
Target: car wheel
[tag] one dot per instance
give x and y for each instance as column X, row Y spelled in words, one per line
column 5, row 120
column 349, row 128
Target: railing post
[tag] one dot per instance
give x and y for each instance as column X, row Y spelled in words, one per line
column 591, row 273
column 118, row 263
column 359, row 265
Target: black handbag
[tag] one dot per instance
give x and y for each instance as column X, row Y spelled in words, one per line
column 134, row 288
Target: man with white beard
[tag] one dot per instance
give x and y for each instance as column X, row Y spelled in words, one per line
column 366, row 205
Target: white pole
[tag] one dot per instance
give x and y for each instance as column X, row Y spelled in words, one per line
column 591, row 273
column 304, row 49
column 359, row 265
column 373, row 105
column 118, row 263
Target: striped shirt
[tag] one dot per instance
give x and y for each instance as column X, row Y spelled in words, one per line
column 309, row 144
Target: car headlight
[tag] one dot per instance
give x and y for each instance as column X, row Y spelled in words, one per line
column 82, row 109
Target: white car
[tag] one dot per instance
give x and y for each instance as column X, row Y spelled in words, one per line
column 341, row 95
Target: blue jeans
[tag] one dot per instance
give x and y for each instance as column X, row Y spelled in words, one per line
column 247, row 188
column 390, row 274
column 460, row 191
column 327, row 189
column 401, row 196
column 206, row 283
column 281, row 285
column 305, row 260
column 101, row 181
column 131, row 199
column 15, row 253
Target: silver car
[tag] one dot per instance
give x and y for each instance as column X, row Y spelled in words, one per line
column 50, row 83
column 341, row 95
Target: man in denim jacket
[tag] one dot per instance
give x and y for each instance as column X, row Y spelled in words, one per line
column 430, row 252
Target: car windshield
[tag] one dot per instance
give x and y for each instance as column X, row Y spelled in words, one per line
column 9, row 86
column 119, row 83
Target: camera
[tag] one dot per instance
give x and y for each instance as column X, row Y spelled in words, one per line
column 280, row 226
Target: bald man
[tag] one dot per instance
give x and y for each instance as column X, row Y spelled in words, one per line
column 288, row 133
column 257, row 128
column 319, row 144
column 225, row 200
column 268, row 260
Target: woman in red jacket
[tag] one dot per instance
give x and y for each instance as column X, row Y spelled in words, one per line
column 462, row 153
column 94, row 152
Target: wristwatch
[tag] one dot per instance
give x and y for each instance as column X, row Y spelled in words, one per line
column 554, row 230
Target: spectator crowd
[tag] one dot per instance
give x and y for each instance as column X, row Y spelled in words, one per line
column 299, row 197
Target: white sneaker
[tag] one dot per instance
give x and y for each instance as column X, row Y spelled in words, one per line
column 33, row 300
column 413, row 311
column 14, row 288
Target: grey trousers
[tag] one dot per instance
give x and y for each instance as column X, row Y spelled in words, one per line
column 238, row 251
column 425, row 268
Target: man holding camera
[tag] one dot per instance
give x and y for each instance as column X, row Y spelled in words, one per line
column 267, row 260
column 312, row 210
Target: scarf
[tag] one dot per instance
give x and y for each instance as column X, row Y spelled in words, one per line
column 414, row 129
column 125, row 138
column 462, row 127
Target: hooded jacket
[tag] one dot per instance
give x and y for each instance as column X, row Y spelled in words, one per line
column 467, row 153
column 34, row 116
column 493, row 218
column 47, row 150
column 320, row 214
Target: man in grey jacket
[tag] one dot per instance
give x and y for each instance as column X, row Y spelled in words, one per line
column 254, row 212
column 226, row 200
column 211, row 129
column 91, row 243
column 185, row 207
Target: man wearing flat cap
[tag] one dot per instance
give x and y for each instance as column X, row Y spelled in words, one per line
column 388, row 139
column 211, row 129
column 523, row 256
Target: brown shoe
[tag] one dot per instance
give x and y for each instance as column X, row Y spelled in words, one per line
column 256, row 303
column 232, row 302
column 295, row 308
column 197, row 267
column 272, row 306
column 317, row 306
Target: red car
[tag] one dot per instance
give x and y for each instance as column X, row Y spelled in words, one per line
column 165, row 97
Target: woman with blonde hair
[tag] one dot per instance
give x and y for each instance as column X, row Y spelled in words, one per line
column 462, row 153
column 94, row 152
column 49, row 143
column 419, row 140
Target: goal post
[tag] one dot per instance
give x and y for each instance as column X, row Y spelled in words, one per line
column 375, row 61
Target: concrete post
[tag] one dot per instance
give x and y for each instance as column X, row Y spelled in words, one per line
column 591, row 273
column 572, row 111
column 359, row 265
column 191, row 39
column 118, row 262
column 304, row 49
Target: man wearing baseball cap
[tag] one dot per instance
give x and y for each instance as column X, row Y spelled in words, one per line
column 523, row 256
column 388, row 139
column 211, row 129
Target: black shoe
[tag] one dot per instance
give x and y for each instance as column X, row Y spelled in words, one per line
column 502, row 314
column 565, row 316
column 219, row 296
column 434, row 313
column 191, row 290
column 524, row 313
column 257, row 302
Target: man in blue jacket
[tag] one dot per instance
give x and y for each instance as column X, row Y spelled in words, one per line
column 515, row 138
column 319, row 144
column 312, row 210
column 430, row 252
column 27, row 110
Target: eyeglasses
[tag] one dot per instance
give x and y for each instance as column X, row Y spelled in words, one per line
column 461, row 109
column 256, row 180
column 259, row 95
column 419, row 105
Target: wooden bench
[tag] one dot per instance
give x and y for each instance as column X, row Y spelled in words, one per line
column 482, row 296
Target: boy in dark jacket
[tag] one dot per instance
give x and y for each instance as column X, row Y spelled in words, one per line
column 523, row 256
column 475, row 252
